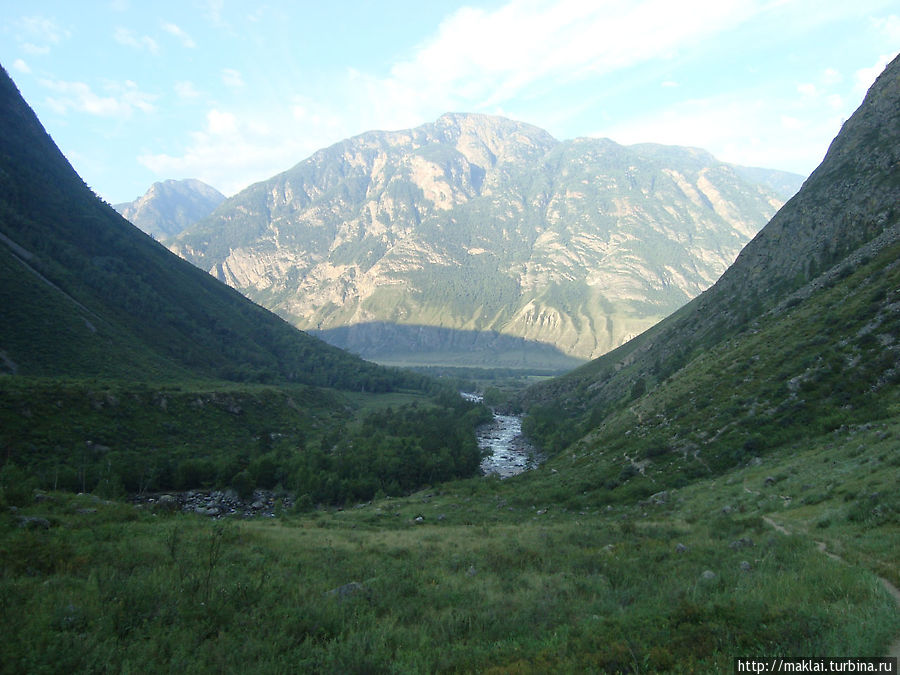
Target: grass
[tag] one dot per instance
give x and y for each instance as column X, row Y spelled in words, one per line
column 497, row 577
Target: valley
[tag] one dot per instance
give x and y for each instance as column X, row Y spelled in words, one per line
column 688, row 477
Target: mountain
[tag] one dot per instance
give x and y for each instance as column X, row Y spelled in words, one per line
column 797, row 339
column 84, row 293
column 170, row 206
column 783, row 183
column 481, row 224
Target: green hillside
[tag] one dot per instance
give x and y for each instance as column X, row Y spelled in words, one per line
column 722, row 486
column 125, row 369
column 86, row 293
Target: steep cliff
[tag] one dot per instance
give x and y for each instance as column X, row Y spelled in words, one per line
column 480, row 223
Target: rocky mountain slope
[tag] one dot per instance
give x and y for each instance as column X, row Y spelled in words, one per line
column 485, row 225
column 170, row 206
column 85, row 294
column 798, row 336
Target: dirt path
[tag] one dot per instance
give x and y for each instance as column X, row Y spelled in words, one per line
column 894, row 648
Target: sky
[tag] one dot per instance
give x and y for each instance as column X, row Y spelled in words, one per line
column 235, row 91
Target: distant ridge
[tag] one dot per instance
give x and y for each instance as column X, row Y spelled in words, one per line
column 170, row 206
column 481, row 223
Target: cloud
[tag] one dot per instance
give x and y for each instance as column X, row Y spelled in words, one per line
column 888, row 26
column 38, row 34
column 232, row 78
column 213, row 9
column 174, row 29
column 42, row 29
column 121, row 101
column 865, row 77
column 786, row 133
column 221, row 123
column 186, row 90
column 234, row 150
column 20, row 66
column 489, row 57
column 127, row 37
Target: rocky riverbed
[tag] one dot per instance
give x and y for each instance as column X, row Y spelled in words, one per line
column 510, row 451
column 217, row 503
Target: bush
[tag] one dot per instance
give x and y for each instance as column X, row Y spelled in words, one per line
column 243, row 483
column 16, row 488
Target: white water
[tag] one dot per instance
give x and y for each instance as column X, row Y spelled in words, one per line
column 511, row 453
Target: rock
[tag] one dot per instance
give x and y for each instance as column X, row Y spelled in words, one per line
column 471, row 572
column 34, row 522
column 659, row 498
column 258, row 504
column 743, row 542
column 441, row 517
column 726, row 510
column 419, row 519
column 745, row 566
column 708, row 575
column 770, row 480
column 681, row 548
column 347, row 590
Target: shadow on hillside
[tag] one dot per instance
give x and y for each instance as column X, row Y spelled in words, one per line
column 412, row 345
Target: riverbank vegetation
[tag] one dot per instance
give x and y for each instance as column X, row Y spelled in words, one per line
column 116, row 438
column 478, row 575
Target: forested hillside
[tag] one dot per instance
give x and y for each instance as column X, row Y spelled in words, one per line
column 125, row 369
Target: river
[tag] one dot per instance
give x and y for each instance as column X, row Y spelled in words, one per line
column 511, row 453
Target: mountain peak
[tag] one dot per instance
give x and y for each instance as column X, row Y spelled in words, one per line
column 479, row 223
column 170, row 206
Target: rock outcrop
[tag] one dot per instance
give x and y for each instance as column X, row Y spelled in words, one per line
column 481, row 223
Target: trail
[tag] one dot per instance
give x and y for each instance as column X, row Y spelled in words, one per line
column 894, row 648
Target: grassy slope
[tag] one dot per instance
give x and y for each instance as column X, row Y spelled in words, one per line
column 574, row 567
column 501, row 577
column 90, row 295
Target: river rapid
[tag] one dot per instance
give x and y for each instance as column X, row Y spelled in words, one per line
column 510, row 452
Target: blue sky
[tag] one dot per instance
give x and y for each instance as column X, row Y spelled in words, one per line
column 233, row 92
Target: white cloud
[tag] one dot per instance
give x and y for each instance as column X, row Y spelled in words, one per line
column 888, row 26
column 35, row 50
column 178, row 32
column 22, row 67
column 41, row 29
column 128, row 38
column 234, row 150
column 830, row 76
column 186, row 90
column 486, row 57
column 221, row 123
column 213, row 9
column 785, row 134
column 865, row 77
column 121, row 100
column 232, row 78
